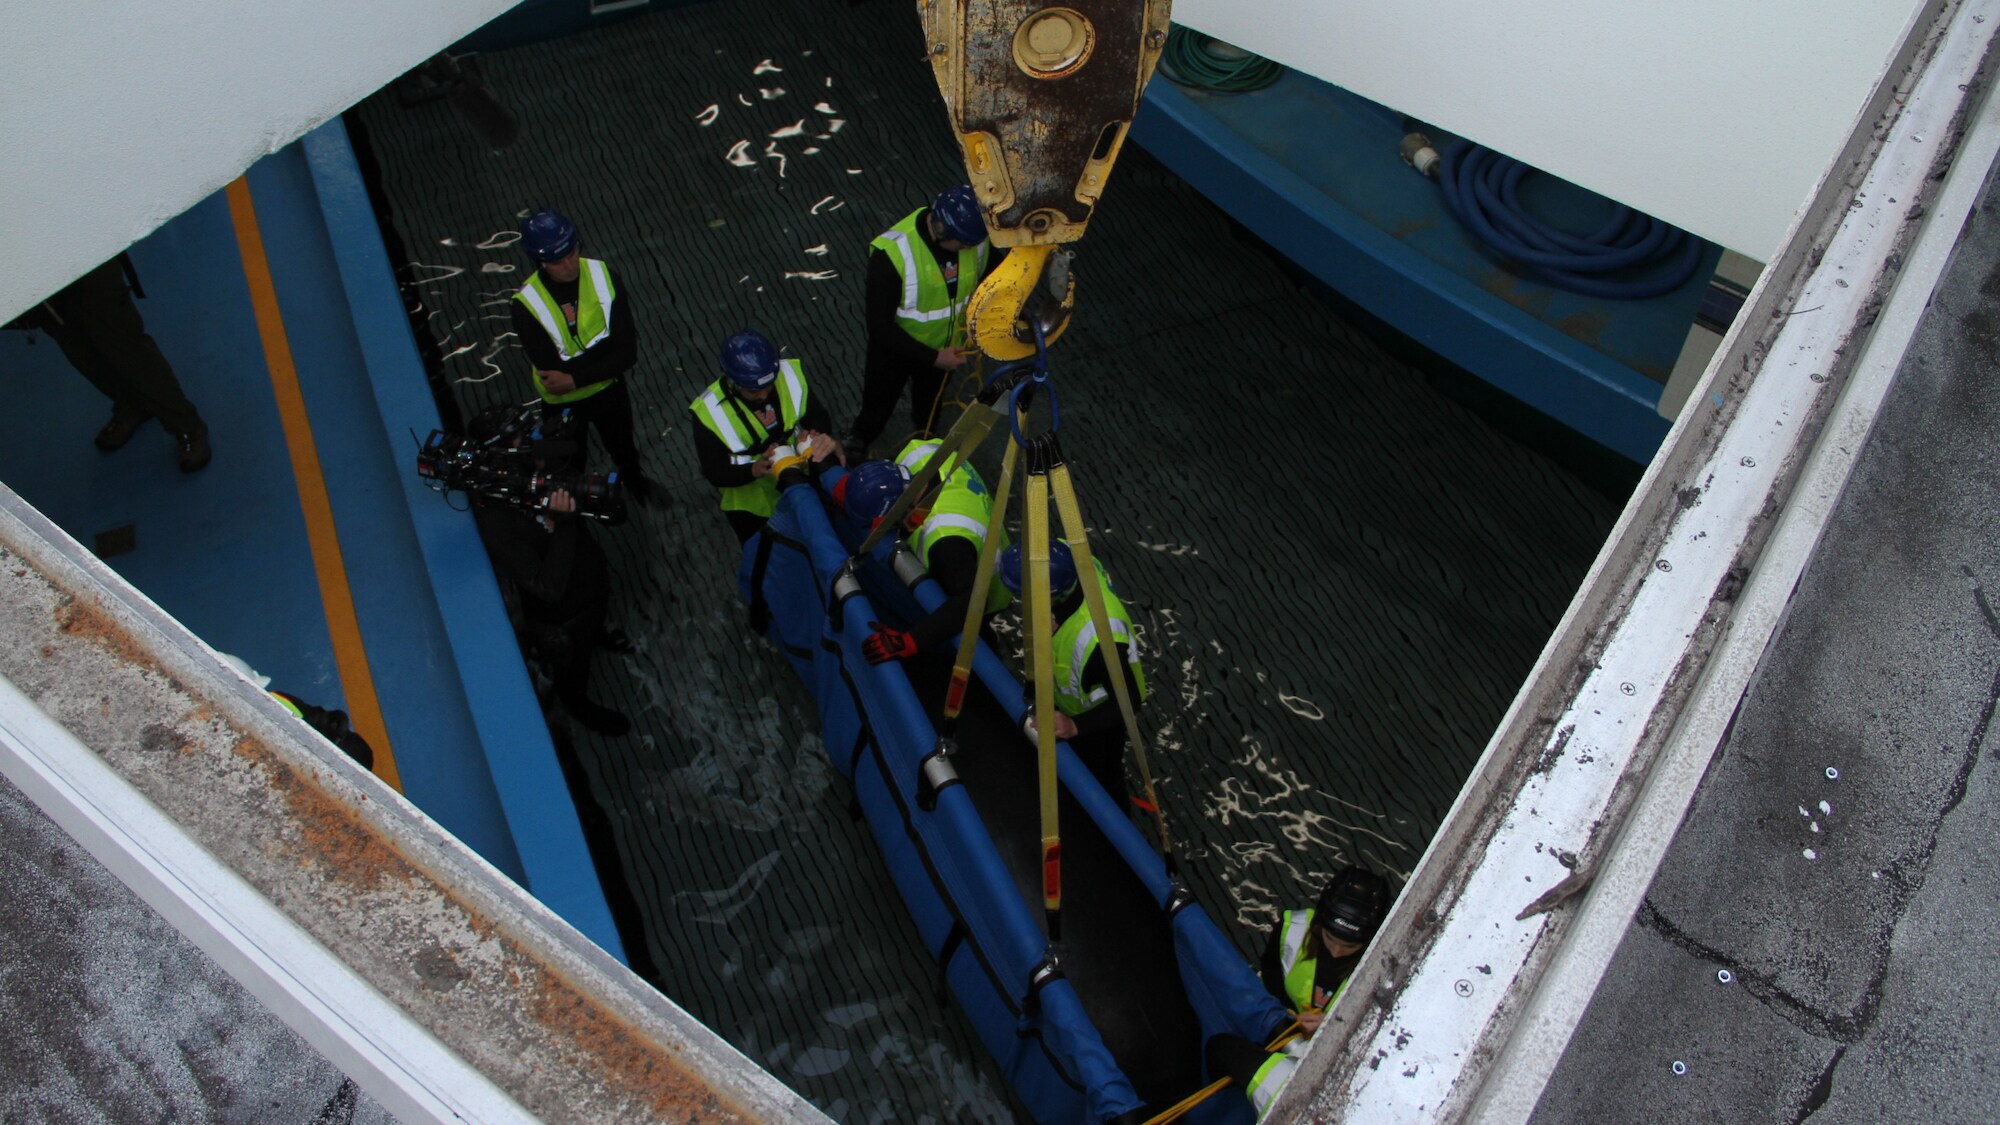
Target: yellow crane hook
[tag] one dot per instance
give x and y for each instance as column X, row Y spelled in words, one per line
column 1041, row 97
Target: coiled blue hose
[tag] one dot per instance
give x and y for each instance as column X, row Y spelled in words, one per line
column 1632, row 256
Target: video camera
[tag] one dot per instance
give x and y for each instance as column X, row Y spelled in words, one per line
column 499, row 459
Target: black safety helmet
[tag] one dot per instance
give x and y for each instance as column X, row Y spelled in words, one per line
column 1353, row 905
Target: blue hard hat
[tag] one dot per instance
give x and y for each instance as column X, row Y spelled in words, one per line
column 1062, row 569
column 749, row 360
column 548, row 235
column 957, row 211
column 872, row 489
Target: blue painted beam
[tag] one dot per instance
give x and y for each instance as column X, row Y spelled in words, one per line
column 480, row 651
column 1441, row 308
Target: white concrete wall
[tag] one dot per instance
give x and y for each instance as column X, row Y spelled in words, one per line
column 117, row 115
column 1716, row 115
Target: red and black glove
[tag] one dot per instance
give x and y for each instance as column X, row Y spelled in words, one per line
column 888, row 644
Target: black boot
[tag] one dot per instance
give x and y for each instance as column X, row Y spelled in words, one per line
column 119, row 430
column 194, row 449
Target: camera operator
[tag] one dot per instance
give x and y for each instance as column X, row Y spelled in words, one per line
column 559, row 580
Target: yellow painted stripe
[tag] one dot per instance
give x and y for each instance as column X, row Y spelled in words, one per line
column 349, row 657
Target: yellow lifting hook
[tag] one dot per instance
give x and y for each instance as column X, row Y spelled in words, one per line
column 1009, row 303
column 1041, row 97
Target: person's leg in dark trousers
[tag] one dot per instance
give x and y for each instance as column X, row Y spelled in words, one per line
column 579, row 636
column 880, row 387
column 609, row 412
column 101, row 333
column 927, row 402
column 1104, row 755
column 602, row 844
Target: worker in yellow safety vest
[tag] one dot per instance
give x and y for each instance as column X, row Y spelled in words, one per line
column 946, row 537
column 921, row 274
column 758, row 411
column 1306, row 963
column 581, row 339
column 1087, row 713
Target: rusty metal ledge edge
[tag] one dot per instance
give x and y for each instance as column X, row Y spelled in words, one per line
column 556, row 1025
column 1752, row 386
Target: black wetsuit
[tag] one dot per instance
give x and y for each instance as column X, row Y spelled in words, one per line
column 562, row 582
column 953, row 562
column 1100, row 732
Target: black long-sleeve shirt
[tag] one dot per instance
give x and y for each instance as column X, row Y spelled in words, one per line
column 608, row 359
column 714, row 457
column 954, row 563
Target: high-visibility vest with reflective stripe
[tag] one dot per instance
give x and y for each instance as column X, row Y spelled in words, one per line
column 928, row 312
column 594, row 295
column 1270, row 1081
column 960, row 510
column 1294, row 936
column 731, row 421
column 1077, row 639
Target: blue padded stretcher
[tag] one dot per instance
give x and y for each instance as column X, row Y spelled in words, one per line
column 1140, row 988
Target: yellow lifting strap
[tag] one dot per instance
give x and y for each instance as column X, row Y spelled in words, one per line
column 1035, row 610
column 1180, row 1108
column 975, row 607
column 955, row 449
column 1078, row 534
